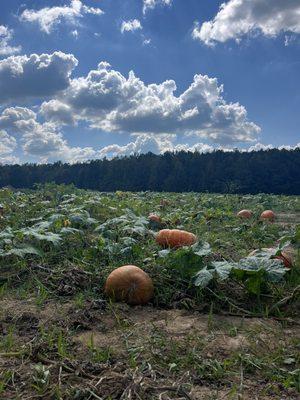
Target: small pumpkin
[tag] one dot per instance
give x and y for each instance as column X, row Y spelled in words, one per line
column 246, row 214
column 175, row 238
column 130, row 284
column 267, row 215
column 154, row 218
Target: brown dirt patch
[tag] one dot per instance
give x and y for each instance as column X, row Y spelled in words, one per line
column 142, row 342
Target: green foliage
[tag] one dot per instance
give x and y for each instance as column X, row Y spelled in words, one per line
column 47, row 232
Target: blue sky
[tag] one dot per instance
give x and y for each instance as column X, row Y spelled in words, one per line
column 205, row 77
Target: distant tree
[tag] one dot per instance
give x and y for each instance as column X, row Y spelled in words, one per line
column 272, row 171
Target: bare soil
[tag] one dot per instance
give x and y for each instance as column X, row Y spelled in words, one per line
column 120, row 352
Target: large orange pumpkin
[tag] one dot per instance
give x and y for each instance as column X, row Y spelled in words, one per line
column 154, row 218
column 245, row 214
column 175, row 238
column 130, row 284
column 268, row 215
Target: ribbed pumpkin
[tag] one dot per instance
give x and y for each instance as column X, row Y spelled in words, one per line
column 175, row 238
column 246, row 214
column 283, row 256
column 154, row 218
column 129, row 284
column 268, row 215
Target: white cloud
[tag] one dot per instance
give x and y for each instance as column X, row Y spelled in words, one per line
column 7, row 143
column 151, row 4
column 260, row 146
column 239, row 17
column 107, row 100
column 142, row 144
column 56, row 111
column 22, row 77
column 5, row 37
column 4, row 160
column 159, row 144
column 75, row 33
column 131, row 25
column 47, row 18
column 146, row 42
column 43, row 141
column 11, row 117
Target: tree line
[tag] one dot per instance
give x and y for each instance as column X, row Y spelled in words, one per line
column 272, row 171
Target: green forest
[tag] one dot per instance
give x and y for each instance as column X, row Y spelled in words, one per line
column 272, row 171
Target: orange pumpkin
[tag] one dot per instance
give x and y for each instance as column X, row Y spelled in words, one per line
column 154, row 218
column 175, row 238
column 267, row 215
column 129, row 284
column 245, row 214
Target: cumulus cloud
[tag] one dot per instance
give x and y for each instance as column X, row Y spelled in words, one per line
column 107, row 100
column 5, row 38
column 260, row 146
column 42, row 75
column 142, row 144
column 11, row 117
column 131, row 25
column 7, row 143
column 47, row 18
column 151, row 4
column 43, row 141
column 56, row 111
column 239, row 17
column 7, row 146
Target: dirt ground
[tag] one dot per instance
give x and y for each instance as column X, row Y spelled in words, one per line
column 97, row 350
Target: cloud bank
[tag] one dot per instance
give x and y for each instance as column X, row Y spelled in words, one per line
column 107, row 100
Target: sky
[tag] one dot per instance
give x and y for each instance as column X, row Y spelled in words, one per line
column 88, row 79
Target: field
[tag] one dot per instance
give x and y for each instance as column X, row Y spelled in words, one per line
column 221, row 324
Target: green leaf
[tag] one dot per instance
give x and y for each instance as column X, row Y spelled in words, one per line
column 201, row 248
column 203, row 278
column 222, row 269
column 21, row 251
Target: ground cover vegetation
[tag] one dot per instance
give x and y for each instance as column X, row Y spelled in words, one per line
column 221, row 320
